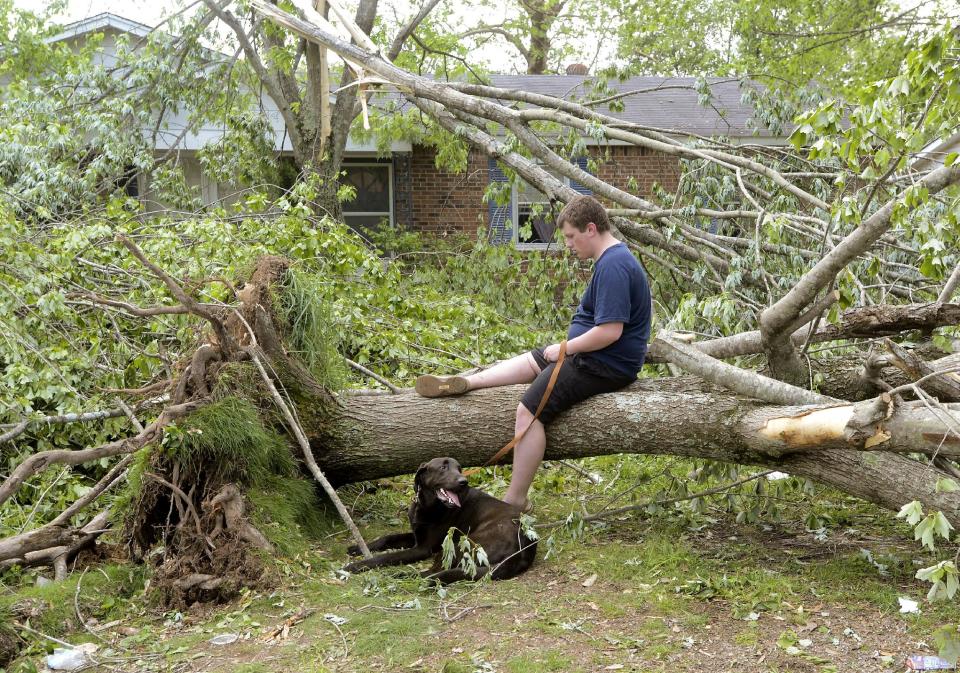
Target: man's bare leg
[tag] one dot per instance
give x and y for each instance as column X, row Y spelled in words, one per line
column 518, row 369
column 527, row 456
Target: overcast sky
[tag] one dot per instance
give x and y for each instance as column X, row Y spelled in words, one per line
column 149, row 12
column 152, row 12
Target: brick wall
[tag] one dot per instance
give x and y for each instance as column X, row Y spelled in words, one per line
column 447, row 202
column 646, row 167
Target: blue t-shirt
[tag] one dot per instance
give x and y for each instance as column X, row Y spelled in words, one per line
column 617, row 292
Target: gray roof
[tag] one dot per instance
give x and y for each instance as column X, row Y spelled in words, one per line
column 101, row 22
column 663, row 102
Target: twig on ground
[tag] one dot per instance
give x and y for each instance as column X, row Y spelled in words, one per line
column 666, row 501
column 464, row 612
column 26, row 628
column 76, row 607
column 579, row 470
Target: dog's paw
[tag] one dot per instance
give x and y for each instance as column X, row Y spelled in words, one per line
column 355, row 567
column 353, row 550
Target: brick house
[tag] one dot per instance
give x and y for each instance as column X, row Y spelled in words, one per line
column 405, row 189
column 435, row 201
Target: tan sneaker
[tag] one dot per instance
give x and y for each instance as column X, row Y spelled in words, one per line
column 441, row 386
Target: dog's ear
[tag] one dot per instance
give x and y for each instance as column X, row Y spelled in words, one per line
column 418, row 477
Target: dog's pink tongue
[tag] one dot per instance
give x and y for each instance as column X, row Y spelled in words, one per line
column 449, row 496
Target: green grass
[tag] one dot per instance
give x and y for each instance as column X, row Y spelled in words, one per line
column 303, row 308
column 228, row 437
column 660, row 579
column 289, row 511
column 106, row 593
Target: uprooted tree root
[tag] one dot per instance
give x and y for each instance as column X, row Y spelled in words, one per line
column 205, row 549
column 199, row 574
column 188, row 492
column 10, row 643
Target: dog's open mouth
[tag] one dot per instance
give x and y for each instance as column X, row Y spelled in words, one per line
column 448, row 498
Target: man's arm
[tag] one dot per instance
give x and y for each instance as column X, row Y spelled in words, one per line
column 594, row 339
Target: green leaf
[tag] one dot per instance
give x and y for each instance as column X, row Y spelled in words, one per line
column 941, row 525
column 912, row 511
column 946, row 485
column 948, row 643
column 929, row 267
column 951, row 159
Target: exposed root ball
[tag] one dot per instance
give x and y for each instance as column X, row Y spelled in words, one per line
column 209, row 576
column 10, row 645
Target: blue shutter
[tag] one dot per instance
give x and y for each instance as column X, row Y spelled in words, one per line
column 576, row 186
column 501, row 217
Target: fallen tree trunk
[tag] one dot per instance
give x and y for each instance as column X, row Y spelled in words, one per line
column 389, row 435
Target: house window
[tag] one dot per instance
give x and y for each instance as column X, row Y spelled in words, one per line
column 534, row 222
column 373, row 205
column 130, row 182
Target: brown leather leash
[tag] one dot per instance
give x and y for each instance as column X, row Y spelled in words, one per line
column 543, row 402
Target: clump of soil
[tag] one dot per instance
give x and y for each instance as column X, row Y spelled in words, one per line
column 211, row 559
column 9, row 645
column 203, row 575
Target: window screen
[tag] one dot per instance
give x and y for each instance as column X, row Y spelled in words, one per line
column 372, row 205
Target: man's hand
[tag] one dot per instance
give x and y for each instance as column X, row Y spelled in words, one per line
column 552, row 352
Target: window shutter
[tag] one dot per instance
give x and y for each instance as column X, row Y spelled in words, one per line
column 577, row 187
column 501, row 217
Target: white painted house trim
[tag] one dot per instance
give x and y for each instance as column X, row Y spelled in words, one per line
column 172, row 132
column 934, row 154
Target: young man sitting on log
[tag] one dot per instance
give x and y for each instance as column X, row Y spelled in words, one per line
column 606, row 342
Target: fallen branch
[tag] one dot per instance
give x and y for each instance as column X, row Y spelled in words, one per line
column 738, row 380
column 40, row 461
column 49, row 556
column 223, row 338
column 52, row 535
column 605, row 514
column 307, row 452
column 85, row 417
column 376, row 377
column 865, row 322
column 943, row 384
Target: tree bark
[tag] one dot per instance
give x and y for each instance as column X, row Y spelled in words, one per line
column 867, row 322
column 389, row 435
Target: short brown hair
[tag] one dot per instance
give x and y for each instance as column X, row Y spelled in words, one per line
column 581, row 211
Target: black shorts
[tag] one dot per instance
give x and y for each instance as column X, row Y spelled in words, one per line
column 581, row 376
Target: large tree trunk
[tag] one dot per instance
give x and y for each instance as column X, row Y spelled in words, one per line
column 389, row 435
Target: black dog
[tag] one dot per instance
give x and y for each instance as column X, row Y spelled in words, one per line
column 445, row 500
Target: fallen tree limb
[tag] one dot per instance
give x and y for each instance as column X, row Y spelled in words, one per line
column 17, row 429
column 40, row 461
column 865, row 322
column 301, row 438
column 944, row 385
column 50, row 536
column 738, row 380
column 778, row 316
column 88, row 535
column 393, row 434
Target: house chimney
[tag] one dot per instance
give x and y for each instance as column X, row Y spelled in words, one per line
column 577, row 69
